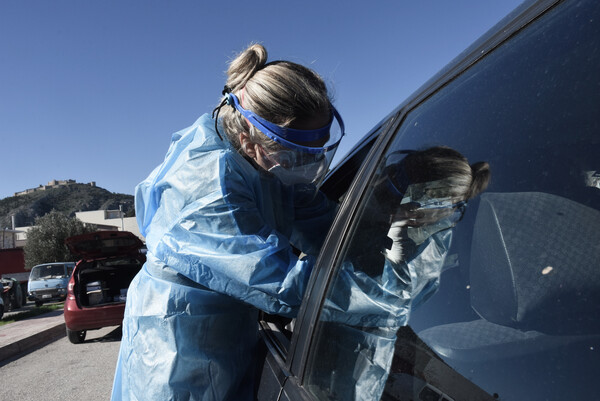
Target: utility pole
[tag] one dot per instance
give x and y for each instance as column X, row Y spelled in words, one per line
column 121, row 213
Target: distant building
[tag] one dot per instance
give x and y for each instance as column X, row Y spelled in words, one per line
column 8, row 238
column 104, row 220
column 52, row 184
column 21, row 236
column 110, row 220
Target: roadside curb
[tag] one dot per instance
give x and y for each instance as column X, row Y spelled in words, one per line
column 24, row 336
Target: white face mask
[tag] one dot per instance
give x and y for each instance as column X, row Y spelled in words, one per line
column 306, row 174
column 420, row 234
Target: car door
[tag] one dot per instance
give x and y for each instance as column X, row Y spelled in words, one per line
column 515, row 312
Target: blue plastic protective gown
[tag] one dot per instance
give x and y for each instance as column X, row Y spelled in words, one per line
column 218, row 233
column 363, row 313
column 386, row 300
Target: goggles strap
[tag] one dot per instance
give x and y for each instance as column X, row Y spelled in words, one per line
column 284, row 135
column 242, row 104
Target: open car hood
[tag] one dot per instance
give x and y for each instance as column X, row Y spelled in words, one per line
column 102, row 244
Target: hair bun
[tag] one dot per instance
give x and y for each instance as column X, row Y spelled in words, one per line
column 481, row 178
column 245, row 65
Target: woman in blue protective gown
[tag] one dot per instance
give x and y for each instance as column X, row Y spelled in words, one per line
column 233, row 222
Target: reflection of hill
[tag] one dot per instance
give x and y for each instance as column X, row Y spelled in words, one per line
column 66, row 199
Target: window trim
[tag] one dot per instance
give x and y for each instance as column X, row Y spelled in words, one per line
column 332, row 249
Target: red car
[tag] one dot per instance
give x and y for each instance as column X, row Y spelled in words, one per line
column 97, row 290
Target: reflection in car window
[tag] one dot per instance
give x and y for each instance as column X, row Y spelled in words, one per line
column 516, row 314
column 391, row 265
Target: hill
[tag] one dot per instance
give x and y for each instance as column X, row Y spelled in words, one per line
column 65, row 199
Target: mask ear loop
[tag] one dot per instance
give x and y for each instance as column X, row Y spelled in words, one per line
column 215, row 112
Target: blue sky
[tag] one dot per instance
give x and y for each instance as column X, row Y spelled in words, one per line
column 93, row 90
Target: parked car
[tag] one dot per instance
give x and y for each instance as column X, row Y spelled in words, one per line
column 98, row 287
column 517, row 314
column 1, row 307
column 12, row 293
column 48, row 282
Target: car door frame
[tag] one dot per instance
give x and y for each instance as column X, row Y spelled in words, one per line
column 289, row 369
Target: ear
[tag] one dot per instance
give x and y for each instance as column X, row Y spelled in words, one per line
column 247, row 145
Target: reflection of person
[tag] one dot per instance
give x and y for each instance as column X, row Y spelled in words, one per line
column 417, row 199
column 428, row 192
column 225, row 217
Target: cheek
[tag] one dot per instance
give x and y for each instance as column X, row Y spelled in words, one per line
column 262, row 161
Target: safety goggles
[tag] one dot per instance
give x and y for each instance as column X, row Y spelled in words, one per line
column 420, row 203
column 428, row 197
column 428, row 192
column 291, row 158
column 428, row 211
column 330, row 135
column 293, row 167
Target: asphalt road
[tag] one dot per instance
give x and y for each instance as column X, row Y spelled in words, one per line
column 63, row 371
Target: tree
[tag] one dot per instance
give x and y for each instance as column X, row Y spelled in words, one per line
column 46, row 241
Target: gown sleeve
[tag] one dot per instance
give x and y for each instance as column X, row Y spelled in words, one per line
column 386, row 300
column 312, row 220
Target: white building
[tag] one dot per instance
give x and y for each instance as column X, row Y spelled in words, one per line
column 21, row 236
column 110, row 220
column 8, row 238
column 103, row 219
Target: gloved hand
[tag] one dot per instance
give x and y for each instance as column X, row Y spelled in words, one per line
column 402, row 246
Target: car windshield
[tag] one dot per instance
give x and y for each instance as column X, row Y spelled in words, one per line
column 47, row 271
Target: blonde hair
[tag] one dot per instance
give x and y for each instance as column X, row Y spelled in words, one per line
column 281, row 92
column 464, row 181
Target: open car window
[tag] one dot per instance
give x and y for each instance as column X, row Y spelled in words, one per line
column 339, row 180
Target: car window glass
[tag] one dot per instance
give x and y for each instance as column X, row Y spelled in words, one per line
column 515, row 312
column 35, row 273
column 392, row 261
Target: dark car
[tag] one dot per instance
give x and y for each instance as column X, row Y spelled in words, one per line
column 97, row 290
column 517, row 313
column 12, row 293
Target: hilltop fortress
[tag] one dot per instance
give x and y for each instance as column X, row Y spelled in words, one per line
column 51, row 184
